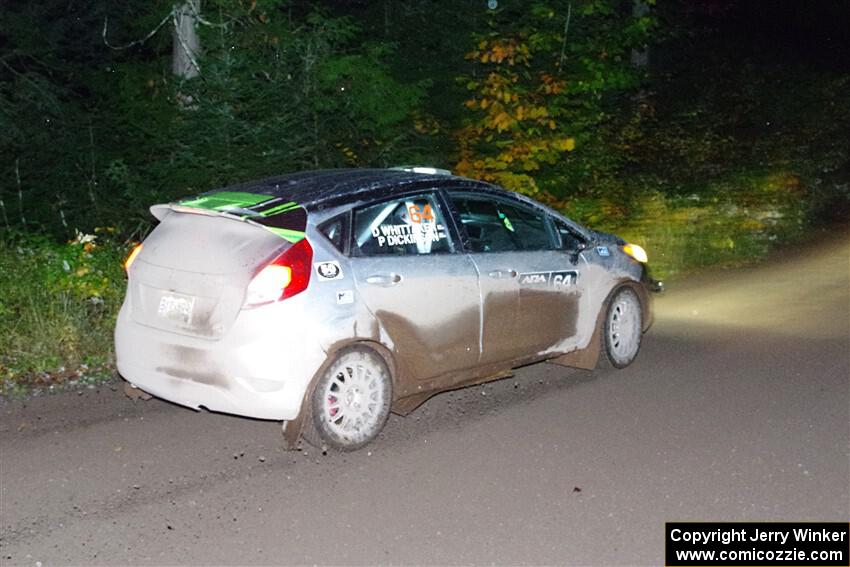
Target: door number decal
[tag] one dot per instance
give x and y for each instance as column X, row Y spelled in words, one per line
column 558, row 280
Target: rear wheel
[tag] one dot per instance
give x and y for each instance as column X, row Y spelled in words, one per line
column 351, row 401
column 623, row 328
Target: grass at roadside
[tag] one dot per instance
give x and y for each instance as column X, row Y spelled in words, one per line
column 58, row 303
column 717, row 227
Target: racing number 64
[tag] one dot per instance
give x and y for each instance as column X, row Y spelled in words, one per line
column 418, row 215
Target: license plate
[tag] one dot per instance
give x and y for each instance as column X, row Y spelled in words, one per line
column 176, row 307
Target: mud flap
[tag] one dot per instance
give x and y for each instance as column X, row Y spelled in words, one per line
column 293, row 428
column 585, row 358
column 588, row 357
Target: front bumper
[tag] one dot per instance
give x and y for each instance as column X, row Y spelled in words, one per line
column 653, row 285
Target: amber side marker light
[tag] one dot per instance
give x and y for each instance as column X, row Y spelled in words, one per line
column 637, row 252
column 132, row 257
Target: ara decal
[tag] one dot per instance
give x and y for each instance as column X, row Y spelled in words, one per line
column 287, row 220
column 603, row 251
column 558, row 280
column 328, row 270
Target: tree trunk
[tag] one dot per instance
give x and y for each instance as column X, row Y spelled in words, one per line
column 640, row 58
column 187, row 45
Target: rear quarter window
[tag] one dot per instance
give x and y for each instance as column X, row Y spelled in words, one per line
column 334, row 230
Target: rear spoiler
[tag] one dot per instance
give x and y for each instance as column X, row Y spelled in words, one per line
column 288, row 220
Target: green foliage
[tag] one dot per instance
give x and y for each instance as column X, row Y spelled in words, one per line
column 717, row 164
column 52, row 71
column 731, row 222
column 58, row 304
column 280, row 95
column 282, row 88
column 540, row 86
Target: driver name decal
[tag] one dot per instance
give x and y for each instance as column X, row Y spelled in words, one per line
column 404, row 234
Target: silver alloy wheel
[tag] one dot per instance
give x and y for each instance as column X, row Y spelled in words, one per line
column 355, row 398
column 623, row 328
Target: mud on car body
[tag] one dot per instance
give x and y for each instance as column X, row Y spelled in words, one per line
column 327, row 299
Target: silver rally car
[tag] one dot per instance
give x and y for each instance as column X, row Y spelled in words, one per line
column 327, row 299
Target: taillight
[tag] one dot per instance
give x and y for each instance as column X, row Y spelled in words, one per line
column 283, row 277
column 132, row 257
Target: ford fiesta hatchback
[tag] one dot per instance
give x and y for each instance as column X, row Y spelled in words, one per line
column 327, row 299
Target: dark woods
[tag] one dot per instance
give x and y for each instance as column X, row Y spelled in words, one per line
column 603, row 108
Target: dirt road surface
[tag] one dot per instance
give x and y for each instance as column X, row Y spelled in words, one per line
column 738, row 408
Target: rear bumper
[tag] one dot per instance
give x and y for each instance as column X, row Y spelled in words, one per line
column 257, row 369
column 280, row 405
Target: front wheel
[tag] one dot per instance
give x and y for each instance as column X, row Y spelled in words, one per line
column 623, row 328
column 351, row 401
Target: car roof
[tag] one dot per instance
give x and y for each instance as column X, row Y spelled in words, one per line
column 320, row 189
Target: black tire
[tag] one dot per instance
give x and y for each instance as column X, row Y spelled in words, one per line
column 622, row 329
column 351, row 401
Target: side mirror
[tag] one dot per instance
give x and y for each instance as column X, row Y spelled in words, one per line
column 576, row 250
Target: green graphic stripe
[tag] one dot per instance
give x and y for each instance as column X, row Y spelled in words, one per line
column 238, row 203
column 293, row 236
column 226, row 200
column 280, row 209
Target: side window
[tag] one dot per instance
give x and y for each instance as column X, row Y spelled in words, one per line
column 569, row 239
column 402, row 227
column 495, row 226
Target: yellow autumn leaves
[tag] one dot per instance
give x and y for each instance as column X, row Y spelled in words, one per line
column 566, row 144
column 517, row 128
column 501, row 50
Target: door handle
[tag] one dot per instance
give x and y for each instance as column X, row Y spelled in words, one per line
column 384, row 279
column 502, row 274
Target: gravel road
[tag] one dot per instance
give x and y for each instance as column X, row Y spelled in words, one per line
column 738, row 408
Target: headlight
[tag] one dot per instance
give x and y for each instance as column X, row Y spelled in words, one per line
column 637, row 252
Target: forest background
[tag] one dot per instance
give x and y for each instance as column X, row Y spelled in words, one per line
column 711, row 131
